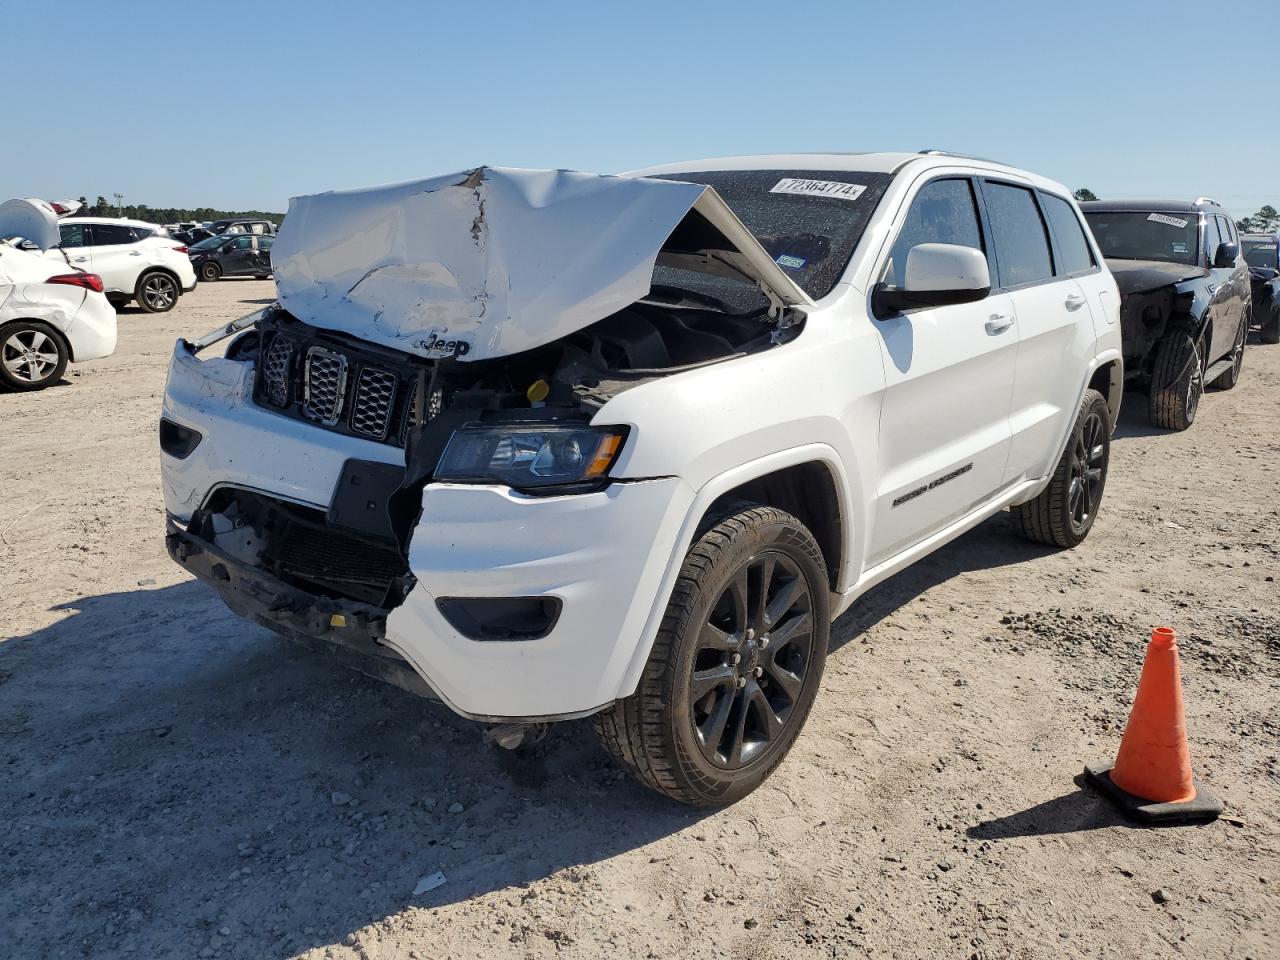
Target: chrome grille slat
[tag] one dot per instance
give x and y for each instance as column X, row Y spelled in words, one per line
column 324, row 384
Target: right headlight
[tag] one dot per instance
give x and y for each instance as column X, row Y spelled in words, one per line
column 530, row 455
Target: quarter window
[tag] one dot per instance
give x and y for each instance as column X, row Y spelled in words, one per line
column 943, row 211
column 1022, row 245
column 1073, row 249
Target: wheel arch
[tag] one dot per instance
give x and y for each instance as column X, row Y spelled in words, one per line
column 1107, row 377
column 61, row 336
column 159, row 268
column 787, row 468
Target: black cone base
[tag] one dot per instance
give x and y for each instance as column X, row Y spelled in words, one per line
column 1205, row 806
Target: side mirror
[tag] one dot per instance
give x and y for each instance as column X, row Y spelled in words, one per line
column 1226, row 254
column 936, row 275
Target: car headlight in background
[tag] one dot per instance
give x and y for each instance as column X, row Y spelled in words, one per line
column 530, row 455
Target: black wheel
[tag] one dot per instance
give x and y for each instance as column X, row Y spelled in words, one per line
column 210, row 270
column 157, row 292
column 1270, row 331
column 1177, row 381
column 32, row 355
column 1231, row 377
column 735, row 666
column 1063, row 513
column 262, row 276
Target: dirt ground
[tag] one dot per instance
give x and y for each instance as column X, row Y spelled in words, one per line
column 179, row 783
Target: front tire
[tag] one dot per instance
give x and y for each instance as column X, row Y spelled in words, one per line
column 735, row 666
column 210, row 271
column 32, row 356
column 157, row 292
column 1177, row 381
column 1063, row 514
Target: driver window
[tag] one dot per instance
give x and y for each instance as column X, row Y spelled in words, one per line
column 73, row 235
column 241, row 243
column 943, row 211
column 1211, row 238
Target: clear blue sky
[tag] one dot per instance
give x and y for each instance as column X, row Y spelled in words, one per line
column 242, row 105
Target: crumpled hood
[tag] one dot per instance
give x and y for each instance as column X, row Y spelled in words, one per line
column 32, row 220
column 494, row 261
column 1139, row 276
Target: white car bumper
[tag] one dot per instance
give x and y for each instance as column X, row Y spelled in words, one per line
column 603, row 556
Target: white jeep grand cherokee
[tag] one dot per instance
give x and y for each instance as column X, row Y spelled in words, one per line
column 546, row 445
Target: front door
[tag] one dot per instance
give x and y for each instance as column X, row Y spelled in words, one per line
column 235, row 256
column 949, row 374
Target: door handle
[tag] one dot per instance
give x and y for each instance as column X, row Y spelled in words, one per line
column 999, row 323
column 80, row 259
column 1074, row 301
column 135, row 253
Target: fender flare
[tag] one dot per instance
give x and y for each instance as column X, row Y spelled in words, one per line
column 711, row 491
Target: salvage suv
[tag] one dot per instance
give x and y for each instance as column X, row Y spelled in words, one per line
column 545, row 445
column 1185, row 304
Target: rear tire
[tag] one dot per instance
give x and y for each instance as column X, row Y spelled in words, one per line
column 1063, row 514
column 32, row 356
column 735, row 666
column 1177, row 382
column 157, row 292
column 1231, row 377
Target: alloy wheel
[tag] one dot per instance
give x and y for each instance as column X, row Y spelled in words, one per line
column 29, row 355
column 160, row 292
column 1088, row 461
column 752, row 656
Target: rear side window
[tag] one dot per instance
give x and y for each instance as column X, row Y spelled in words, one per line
column 265, row 243
column 73, row 235
column 1073, row 249
column 1022, row 245
column 108, row 233
column 141, row 233
column 943, row 211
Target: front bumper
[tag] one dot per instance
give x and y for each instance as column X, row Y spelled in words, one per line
column 606, row 556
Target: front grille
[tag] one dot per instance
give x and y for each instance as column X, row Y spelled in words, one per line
column 331, row 559
column 375, row 398
column 359, row 390
column 276, row 368
column 324, row 385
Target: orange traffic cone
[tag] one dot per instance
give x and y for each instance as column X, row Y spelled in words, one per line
column 1151, row 779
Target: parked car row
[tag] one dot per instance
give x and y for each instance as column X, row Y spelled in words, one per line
column 1262, row 253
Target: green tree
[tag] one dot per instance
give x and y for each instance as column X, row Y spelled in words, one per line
column 1084, row 193
column 1266, row 220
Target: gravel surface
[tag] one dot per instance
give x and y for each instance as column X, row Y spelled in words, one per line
column 179, row 783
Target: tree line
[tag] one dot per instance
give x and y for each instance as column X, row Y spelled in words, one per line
column 1266, row 220
column 140, row 211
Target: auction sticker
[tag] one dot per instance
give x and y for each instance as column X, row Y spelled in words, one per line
column 819, row 188
column 1167, row 220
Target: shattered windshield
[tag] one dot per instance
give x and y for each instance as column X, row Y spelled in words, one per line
column 1130, row 235
column 1262, row 253
column 809, row 221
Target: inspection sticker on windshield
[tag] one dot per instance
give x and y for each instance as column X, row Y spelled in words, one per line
column 787, row 260
column 1167, row 220
column 819, row 188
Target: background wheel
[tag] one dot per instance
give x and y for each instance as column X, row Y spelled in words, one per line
column 1063, row 514
column 32, row 355
column 1177, row 382
column 1231, row 377
column 735, row 666
column 210, row 271
column 262, row 276
column 157, row 292
column 1270, row 332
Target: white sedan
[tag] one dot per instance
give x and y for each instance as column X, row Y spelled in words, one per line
column 50, row 314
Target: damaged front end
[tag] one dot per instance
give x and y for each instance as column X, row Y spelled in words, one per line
column 322, row 468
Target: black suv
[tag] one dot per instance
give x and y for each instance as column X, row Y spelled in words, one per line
column 1184, row 298
column 1262, row 253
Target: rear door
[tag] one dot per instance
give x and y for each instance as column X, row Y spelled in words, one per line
column 1055, row 325
column 949, row 372
column 117, row 257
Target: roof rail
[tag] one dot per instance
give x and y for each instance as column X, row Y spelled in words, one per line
column 961, row 156
column 1208, row 200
